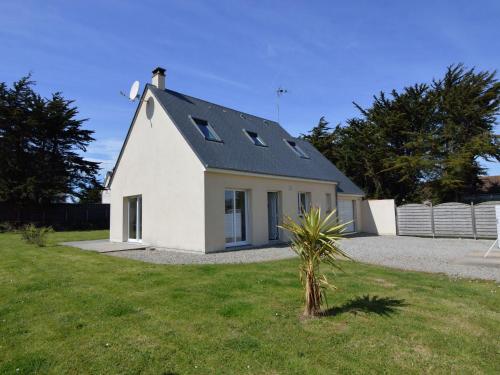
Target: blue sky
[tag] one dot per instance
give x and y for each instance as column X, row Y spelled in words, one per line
column 237, row 53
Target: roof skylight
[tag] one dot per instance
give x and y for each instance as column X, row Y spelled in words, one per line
column 206, row 129
column 254, row 137
column 293, row 145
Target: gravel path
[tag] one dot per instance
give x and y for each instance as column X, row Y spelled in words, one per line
column 165, row 256
column 455, row 257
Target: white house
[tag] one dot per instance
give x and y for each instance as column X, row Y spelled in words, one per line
column 195, row 175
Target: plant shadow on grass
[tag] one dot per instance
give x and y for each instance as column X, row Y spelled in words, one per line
column 384, row 306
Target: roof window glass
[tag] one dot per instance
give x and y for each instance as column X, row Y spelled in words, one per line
column 206, row 129
column 293, row 145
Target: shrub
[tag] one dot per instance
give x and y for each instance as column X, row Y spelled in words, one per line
column 6, row 227
column 35, row 235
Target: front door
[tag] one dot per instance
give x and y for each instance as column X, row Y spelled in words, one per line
column 235, row 217
column 273, row 215
column 135, row 219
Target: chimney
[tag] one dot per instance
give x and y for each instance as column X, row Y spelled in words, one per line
column 159, row 78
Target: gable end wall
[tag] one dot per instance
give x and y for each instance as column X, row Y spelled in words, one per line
column 158, row 164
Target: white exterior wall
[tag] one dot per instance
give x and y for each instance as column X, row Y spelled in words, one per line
column 379, row 216
column 158, row 164
column 257, row 188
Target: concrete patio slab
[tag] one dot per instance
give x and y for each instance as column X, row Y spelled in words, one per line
column 105, row 246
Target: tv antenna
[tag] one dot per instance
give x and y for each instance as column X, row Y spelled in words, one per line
column 280, row 91
column 133, row 93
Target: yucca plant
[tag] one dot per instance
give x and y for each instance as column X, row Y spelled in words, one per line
column 315, row 240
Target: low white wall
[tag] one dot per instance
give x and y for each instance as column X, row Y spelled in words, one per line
column 106, row 196
column 379, row 216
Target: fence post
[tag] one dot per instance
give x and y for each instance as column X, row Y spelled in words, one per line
column 397, row 219
column 432, row 221
column 473, row 220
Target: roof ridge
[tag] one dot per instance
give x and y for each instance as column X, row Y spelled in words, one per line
column 222, row 106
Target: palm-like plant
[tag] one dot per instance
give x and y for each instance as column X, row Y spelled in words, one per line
column 315, row 240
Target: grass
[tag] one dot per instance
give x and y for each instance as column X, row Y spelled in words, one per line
column 63, row 310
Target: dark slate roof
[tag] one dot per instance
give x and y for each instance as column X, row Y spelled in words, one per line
column 236, row 152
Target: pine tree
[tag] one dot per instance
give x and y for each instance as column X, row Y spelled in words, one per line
column 467, row 106
column 321, row 137
column 41, row 146
column 92, row 193
column 422, row 143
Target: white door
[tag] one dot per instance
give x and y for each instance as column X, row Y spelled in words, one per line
column 235, row 217
column 346, row 213
column 135, row 219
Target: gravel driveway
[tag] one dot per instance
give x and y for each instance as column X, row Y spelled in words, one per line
column 455, row 257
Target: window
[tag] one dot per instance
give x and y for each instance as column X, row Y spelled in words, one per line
column 328, row 203
column 254, row 137
column 235, row 217
column 297, row 149
column 206, row 129
column 304, row 202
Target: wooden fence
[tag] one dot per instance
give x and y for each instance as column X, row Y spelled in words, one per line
column 447, row 220
column 60, row 216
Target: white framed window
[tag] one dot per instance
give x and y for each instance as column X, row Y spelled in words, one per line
column 304, row 202
column 255, row 138
column 295, row 148
column 206, row 129
column 329, row 206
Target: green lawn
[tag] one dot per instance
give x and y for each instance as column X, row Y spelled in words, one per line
column 63, row 310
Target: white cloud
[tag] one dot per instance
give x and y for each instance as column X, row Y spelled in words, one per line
column 211, row 76
column 104, row 151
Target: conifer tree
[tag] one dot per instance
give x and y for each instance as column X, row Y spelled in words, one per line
column 422, row 143
column 41, row 146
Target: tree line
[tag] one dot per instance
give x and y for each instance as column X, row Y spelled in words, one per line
column 423, row 143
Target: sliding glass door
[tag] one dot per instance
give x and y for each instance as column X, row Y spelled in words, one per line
column 273, row 215
column 135, row 219
column 235, row 217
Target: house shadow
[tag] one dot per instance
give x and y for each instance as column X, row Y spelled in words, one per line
column 360, row 234
column 384, row 306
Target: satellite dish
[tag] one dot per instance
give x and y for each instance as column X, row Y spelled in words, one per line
column 134, row 91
